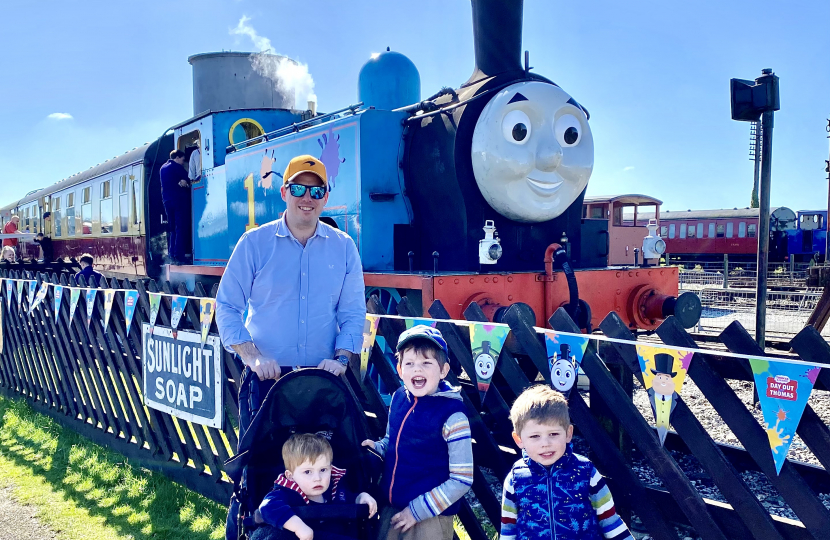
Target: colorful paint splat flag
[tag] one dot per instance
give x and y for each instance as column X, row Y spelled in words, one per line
column 664, row 371
column 58, row 298
column 155, row 301
column 207, row 306
column 74, row 296
column 415, row 321
column 109, row 298
column 486, row 341
column 32, row 291
column 40, row 296
column 783, row 390
column 130, row 301
column 177, row 305
column 370, row 330
column 564, row 358
column 90, row 304
column 20, row 294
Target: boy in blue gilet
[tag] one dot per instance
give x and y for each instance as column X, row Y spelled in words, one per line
column 428, row 451
column 550, row 491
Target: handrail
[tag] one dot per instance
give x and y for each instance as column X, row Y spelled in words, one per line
column 296, row 126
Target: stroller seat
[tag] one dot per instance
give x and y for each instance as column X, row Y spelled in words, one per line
column 305, row 401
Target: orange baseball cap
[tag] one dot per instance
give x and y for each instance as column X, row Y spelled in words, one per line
column 305, row 164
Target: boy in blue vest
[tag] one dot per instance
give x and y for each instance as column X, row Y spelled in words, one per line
column 551, row 491
column 428, row 451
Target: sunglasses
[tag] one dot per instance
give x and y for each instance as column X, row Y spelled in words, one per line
column 298, row 190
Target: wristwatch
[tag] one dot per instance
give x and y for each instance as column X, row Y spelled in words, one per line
column 342, row 359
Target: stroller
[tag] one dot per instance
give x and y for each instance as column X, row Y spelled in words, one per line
column 304, row 401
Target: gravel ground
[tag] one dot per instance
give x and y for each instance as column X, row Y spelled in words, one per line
column 18, row 521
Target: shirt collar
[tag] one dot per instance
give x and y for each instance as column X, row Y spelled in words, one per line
column 284, row 232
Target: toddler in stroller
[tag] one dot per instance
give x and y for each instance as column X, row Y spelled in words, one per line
column 307, row 401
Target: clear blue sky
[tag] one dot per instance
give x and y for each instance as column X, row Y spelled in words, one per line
column 654, row 75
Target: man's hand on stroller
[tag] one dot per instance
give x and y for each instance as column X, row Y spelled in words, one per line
column 368, row 442
column 365, row 498
column 403, row 520
column 251, row 357
column 298, row 527
column 333, row 366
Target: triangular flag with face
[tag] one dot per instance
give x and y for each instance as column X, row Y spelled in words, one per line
column 206, row 308
column 58, row 298
column 130, row 301
column 415, row 321
column 90, row 304
column 783, row 390
column 155, row 301
column 9, row 290
column 74, row 296
column 370, row 330
column 177, row 305
column 664, row 371
column 32, row 291
column 564, row 358
column 486, row 341
column 109, row 298
column 20, row 285
column 40, row 296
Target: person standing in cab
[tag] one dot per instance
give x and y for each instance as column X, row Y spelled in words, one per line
column 175, row 194
column 194, row 165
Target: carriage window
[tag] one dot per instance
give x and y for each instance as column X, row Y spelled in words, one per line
column 730, row 229
column 692, row 233
column 56, row 216
column 671, row 230
column 86, row 211
column 135, row 199
column 106, row 207
column 25, row 219
column 741, row 229
column 35, row 220
column 720, row 231
column 711, row 230
column 751, row 231
column 122, row 184
column 70, row 214
column 700, row 230
column 682, row 230
column 664, row 231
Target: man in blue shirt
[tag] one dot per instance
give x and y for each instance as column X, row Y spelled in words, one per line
column 301, row 282
column 175, row 194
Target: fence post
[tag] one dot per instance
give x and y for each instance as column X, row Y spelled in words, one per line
column 725, row 270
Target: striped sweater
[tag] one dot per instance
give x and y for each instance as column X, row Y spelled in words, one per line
column 428, row 452
column 568, row 501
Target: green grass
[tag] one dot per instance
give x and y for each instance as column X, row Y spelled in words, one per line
column 86, row 492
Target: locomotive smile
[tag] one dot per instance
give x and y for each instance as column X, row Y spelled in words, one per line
column 543, row 186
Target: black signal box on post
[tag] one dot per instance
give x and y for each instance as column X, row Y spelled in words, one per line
column 751, row 98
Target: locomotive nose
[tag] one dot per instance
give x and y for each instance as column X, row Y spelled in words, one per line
column 548, row 155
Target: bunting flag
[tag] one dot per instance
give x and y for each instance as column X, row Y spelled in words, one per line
column 486, row 341
column 20, row 294
column 177, row 305
column 415, row 321
column 39, row 297
column 564, row 358
column 58, row 298
column 90, row 304
column 32, row 291
column 783, row 390
column 370, row 330
column 9, row 289
column 109, row 298
column 206, row 308
column 664, row 371
column 74, row 296
column 155, row 300
column 130, row 301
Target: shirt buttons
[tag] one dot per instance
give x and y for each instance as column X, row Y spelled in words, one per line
column 302, row 321
column 303, row 297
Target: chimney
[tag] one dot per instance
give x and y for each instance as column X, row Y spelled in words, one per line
column 497, row 32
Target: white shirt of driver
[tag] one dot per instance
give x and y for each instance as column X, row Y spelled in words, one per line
column 195, row 165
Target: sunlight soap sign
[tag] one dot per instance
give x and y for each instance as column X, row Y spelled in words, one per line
column 181, row 377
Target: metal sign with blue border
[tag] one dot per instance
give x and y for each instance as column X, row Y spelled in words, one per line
column 181, row 377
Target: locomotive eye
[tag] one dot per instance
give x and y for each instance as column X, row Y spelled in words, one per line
column 567, row 129
column 516, row 127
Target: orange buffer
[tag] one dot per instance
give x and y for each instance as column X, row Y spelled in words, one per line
column 638, row 295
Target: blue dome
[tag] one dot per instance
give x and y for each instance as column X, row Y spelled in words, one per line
column 389, row 80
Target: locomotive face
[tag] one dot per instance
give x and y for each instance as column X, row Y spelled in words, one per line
column 532, row 152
